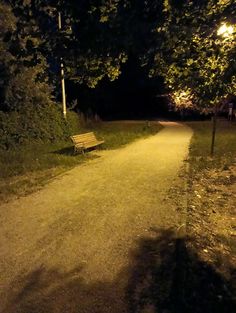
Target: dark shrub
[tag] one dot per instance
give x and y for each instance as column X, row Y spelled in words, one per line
column 38, row 123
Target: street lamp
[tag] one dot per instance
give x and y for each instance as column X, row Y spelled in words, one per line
column 183, row 98
column 226, row 31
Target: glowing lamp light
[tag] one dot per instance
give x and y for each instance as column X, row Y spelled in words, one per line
column 225, row 30
column 183, row 98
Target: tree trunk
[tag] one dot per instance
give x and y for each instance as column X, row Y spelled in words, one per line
column 214, row 119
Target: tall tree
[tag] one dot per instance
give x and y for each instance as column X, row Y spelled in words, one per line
column 86, row 42
column 193, row 55
column 23, row 68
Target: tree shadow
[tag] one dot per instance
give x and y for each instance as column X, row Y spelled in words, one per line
column 163, row 275
column 168, row 276
column 49, row 291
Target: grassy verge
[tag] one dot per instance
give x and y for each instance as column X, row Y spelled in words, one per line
column 225, row 147
column 118, row 134
column 212, row 189
column 25, row 169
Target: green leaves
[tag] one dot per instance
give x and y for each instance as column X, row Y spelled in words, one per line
column 177, row 40
column 192, row 56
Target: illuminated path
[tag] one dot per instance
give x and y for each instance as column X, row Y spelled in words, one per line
column 68, row 248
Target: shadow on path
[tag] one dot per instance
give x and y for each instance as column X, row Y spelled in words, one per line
column 164, row 276
column 168, row 277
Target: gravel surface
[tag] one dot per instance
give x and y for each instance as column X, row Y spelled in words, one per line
column 67, row 248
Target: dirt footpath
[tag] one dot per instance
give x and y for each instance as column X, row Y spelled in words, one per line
column 70, row 247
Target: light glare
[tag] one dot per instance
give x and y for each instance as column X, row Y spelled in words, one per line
column 225, row 30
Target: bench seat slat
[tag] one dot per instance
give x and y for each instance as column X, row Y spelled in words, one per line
column 83, row 138
column 83, row 135
column 87, row 136
column 85, row 141
column 93, row 144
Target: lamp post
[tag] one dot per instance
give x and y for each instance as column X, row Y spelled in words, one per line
column 63, row 87
column 226, row 31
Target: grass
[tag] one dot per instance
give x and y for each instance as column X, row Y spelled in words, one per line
column 26, row 168
column 211, row 201
column 225, row 146
column 117, row 134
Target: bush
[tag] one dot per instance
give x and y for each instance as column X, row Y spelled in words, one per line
column 39, row 123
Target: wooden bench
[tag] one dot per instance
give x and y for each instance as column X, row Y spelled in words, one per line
column 85, row 141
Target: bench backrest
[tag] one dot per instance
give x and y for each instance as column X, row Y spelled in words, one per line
column 83, row 138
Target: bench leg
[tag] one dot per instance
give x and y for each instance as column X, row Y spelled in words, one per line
column 76, row 150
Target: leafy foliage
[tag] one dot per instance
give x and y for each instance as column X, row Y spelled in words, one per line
column 175, row 39
column 183, row 99
column 86, row 42
column 30, row 46
column 25, row 90
column 44, row 124
column 23, row 76
column 189, row 54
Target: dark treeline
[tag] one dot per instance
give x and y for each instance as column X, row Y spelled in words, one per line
column 118, row 56
column 132, row 95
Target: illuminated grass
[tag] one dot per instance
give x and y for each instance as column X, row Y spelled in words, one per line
column 117, row 134
column 225, row 146
column 29, row 167
column 211, row 203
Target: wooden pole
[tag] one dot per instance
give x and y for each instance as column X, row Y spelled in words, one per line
column 214, row 120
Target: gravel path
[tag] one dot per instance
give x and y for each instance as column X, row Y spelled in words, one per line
column 67, row 248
